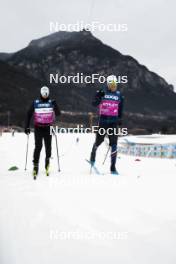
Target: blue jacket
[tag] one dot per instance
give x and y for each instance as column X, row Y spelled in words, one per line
column 110, row 106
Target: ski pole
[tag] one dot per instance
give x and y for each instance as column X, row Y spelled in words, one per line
column 27, row 151
column 57, row 153
column 106, row 155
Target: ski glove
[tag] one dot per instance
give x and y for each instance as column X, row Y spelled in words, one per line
column 100, row 93
column 27, row 131
column 120, row 122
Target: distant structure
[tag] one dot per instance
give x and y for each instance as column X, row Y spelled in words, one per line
column 159, row 146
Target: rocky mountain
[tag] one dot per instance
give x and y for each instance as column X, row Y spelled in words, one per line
column 5, row 56
column 16, row 90
column 149, row 99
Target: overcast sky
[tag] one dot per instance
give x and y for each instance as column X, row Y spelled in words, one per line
column 150, row 37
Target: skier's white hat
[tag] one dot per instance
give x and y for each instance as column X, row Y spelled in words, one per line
column 44, row 91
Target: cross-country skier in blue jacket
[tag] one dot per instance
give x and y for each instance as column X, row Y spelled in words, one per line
column 110, row 104
column 44, row 111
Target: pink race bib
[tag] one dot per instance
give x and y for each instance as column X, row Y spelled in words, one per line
column 109, row 108
column 44, row 116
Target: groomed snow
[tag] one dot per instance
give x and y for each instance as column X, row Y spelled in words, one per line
column 74, row 217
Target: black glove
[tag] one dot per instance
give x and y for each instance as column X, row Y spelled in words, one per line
column 120, row 122
column 100, row 93
column 27, row 131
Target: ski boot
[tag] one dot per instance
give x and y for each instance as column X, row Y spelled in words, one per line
column 35, row 171
column 93, row 155
column 113, row 169
column 47, row 163
column 113, row 159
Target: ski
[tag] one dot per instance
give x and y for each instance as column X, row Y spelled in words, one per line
column 98, row 172
column 93, row 167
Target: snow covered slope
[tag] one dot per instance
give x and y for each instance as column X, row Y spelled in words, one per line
column 75, row 217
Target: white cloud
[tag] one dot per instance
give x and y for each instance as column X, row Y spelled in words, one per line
column 150, row 38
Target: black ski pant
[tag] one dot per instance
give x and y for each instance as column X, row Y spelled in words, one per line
column 113, row 137
column 42, row 134
column 112, row 132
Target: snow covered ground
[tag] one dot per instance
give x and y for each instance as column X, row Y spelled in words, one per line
column 75, row 217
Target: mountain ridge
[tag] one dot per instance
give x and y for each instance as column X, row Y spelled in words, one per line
column 68, row 53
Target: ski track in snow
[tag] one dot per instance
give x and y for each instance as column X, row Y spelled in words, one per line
column 37, row 217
